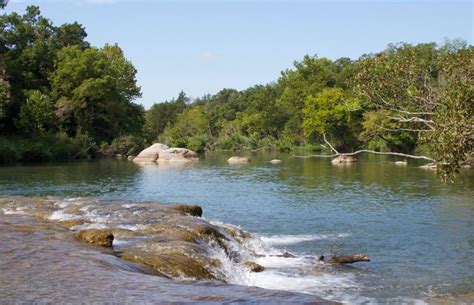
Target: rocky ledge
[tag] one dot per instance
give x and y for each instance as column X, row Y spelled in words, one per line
column 167, row 240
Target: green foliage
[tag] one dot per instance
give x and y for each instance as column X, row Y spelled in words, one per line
column 330, row 113
column 421, row 94
column 162, row 114
column 36, row 113
column 94, row 89
column 45, row 147
column 128, row 145
column 453, row 122
column 189, row 131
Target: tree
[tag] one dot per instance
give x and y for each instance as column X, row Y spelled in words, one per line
column 161, row 115
column 94, row 90
column 427, row 91
column 191, row 129
column 28, row 47
column 331, row 113
column 310, row 76
column 35, row 114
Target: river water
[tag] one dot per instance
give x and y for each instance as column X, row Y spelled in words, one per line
column 418, row 232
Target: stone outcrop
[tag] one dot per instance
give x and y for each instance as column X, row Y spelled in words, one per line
column 150, row 154
column 238, row 160
column 177, row 155
column 344, row 160
column 103, row 238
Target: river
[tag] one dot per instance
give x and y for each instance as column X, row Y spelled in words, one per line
column 418, row 232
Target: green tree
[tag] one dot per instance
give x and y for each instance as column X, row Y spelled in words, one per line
column 191, row 129
column 161, row 115
column 36, row 113
column 94, row 90
column 426, row 91
column 330, row 113
column 28, row 47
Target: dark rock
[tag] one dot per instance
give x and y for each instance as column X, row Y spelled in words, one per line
column 193, row 210
column 254, row 267
column 287, row 255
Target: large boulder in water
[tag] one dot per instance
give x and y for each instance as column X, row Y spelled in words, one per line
column 103, row 238
column 150, row 154
column 238, row 160
column 178, row 155
column 344, row 160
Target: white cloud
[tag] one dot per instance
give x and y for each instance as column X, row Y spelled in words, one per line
column 208, row 56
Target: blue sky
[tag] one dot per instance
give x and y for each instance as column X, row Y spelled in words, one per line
column 203, row 46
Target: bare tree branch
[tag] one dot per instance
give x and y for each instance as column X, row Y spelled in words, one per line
column 327, row 142
column 403, row 129
column 367, row 151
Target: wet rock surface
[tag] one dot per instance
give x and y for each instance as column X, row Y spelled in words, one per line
column 41, row 262
column 254, row 267
column 97, row 237
column 167, row 240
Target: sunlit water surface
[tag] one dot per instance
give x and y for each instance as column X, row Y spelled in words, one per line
column 418, row 232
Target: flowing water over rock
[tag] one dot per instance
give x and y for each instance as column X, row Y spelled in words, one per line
column 417, row 231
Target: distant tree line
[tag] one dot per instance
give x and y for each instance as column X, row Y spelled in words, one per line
column 60, row 97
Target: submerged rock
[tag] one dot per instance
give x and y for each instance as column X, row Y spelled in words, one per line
column 150, row 154
column 103, row 238
column 254, row 267
column 344, row 160
column 67, row 224
column 192, row 210
column 238, row 160
column 349, row 259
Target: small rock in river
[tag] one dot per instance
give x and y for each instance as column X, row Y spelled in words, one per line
column 254, row 267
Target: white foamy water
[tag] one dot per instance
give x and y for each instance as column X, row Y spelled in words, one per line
column 61, row 216
column 304, row 274
column 17, row 211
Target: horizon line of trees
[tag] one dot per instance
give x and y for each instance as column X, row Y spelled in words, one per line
column 61, row 98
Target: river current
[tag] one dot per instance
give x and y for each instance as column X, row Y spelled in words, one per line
column 418, row 232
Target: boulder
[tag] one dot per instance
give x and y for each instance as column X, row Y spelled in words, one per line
column 238, row 160
column 254, row 267
column 178, row 155
column 150, row 154
column 275, row 161
column 103, row 238
column 344, row 160
column 193, row 210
